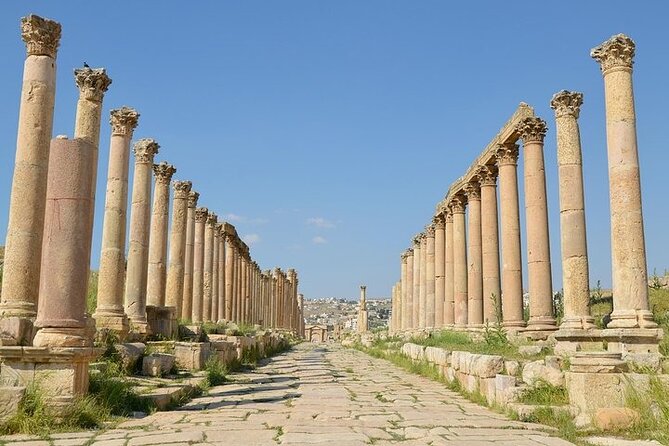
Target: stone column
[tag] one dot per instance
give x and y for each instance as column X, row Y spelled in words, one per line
column 362, row 312
column 201, row 215
column 92, row 84
column 408, row 307
column 439, row 270
column 110, row 312
column 156, row 276
column 429, row 278
column 474, row 257
column 236, row 287
column 140, row 220
column 416, row 282
column 301, row 304
column 449, row 274
column 229, row 277
column 275, row 299
column 402, row 308
column 222, row 272
column 575, row 275
column 23, row 247
column 492, row 294
column 207, row 268
column 422, row 296
column 214, row 276
column 512, row 278
column 187, row 305
column 532, row 131
column 241, row 305
column 175, row 274
column 458, row 205
column 630, row 274
column 61, row 314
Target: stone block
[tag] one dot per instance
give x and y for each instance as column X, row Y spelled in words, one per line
column 192, row 355
column 614, row 418
column 151, row 366
column 413, row 351
column 471, row 383
column 130, row 354
column 589, row 392
column 530, row 350
column 512, row 367
column 537, row 371
column 487, row 387
column 437, row 355
column 162, row 321
column 10, row 397
column 505, row 386
column 487, row 366
column 644, row 361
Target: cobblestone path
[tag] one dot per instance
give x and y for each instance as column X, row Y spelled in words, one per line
column 320, row 395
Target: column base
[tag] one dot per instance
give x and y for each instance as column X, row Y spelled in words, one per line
column 16, row 330
column 113, row 322
column 541, row 323
column 139, row 330
column 61, row 337
column 632, row 319
column 577, row 323
column 570, row 341
column 632, row 340
column 162, row 321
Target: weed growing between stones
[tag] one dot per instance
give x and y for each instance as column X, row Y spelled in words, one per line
column 561, row 420
column 216, row 371
column 653, row 409
column 543, row 393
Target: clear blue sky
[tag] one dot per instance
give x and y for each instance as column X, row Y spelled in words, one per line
column 331, row 129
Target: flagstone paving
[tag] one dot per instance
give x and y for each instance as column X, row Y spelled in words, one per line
column 319, row 394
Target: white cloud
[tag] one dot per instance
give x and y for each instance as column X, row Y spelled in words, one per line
column 318, row 240
column 233, row 217
column 320, row 222
column 251, row 239
column 259, row 221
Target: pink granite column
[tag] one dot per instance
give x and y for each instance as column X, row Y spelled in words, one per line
column 187, row 302
column 449, row 274
column 23, row 247
column 512, row 279
column 110, row 312
column 532, row 131
column 175, row 274
column 492, row 294
column 474, row 257
column 628, row 247
column 157, row 271
column 201, row 215
column 439, row 270
column 140, row 220
column 61, row 315
column 458, row 205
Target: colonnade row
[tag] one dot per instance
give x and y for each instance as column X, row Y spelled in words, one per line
column 205, row 272
column 457, row 273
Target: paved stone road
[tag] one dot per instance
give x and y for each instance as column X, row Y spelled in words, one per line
column 321, row 395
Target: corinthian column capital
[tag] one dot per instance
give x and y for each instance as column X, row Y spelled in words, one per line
column 92, row 83
column 123, row 120
column 506, row 153
column 487, row 175
column 192, row 198
column 473, row 190
column 201, row 214
column 532, row 129
column 615, row 53
column 438, row 221
column 458, row 204
column 41, row 36
column 182, row 189
column 567, row 103
column 145, row 149
column 163, row 172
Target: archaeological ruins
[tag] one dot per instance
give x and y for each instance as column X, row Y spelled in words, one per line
column 178, row 288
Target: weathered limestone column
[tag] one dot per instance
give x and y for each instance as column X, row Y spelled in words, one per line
column 207, row 268
column 429, row 278
column 187, row 304
column 201, row 215
column 236, row 287
column 300, row 298
column 492, row 294
column 474, row 257
column 214, row 276
column 422, row 296
column 575, row 275
column 512, row 273
column 532, row 131
column 630, row 274
column 362, row 312
column 416, row 281
column 402, row 308
column 241, row 308
column 140, row 220
column 229, row 276
column 110, row 312
column 61, row 314
column 458, row 205
column 439, row 270
column 449, row 274
column 23, row 247
column 275, row 298
column 92, row 84
column 156, row 276
column 175, row 274
column 222, row 272
column 408, row 307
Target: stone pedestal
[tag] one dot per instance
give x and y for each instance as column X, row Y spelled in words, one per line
column 23, row 245
column 162, row 321
column 110, row 313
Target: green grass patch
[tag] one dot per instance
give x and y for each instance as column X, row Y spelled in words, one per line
column 545, row 394
column 559, row 419
column 653, row 409
column 216, row 372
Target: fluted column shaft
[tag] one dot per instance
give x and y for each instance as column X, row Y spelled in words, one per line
column 175, row 273
column 156, row 274
column 140, row 223
column 186, row 307
column 459, row 261
column 23, row 247
column 474, row 258
column 532, row 131
column 109, row 312
column 628, row 247
column 492, row 294
column 512, row 278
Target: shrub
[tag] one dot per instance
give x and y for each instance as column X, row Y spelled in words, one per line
column 215, row 372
